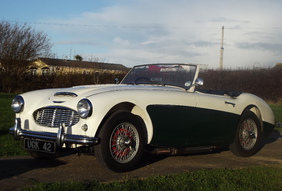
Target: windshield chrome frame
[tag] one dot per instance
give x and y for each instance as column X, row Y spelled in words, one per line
column 193, row 78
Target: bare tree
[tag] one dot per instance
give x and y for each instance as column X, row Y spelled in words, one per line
column 20, row 43
column 93, row 58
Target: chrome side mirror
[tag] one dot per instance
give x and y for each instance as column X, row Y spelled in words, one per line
column 188, row 84
column 199, row 82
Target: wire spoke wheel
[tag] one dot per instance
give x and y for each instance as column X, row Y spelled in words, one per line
column 248, row 138
column 248, row 134
column 124, row 142
column 123, row 139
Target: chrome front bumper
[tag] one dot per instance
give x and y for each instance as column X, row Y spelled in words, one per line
column 60, row 138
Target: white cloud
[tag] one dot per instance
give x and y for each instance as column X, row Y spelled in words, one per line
column 136, row 32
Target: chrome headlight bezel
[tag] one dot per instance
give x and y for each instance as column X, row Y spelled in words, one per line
column 17, row 104
column 84, row 108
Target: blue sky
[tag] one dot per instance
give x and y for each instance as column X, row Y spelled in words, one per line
column 133, row 32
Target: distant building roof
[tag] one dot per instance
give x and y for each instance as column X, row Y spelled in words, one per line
column 82, row 64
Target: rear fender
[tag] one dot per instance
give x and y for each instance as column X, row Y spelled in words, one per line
column 256, row 111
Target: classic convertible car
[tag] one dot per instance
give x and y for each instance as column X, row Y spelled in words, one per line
column 156, row 107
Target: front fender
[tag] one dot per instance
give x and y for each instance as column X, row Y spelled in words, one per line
column 103, row 109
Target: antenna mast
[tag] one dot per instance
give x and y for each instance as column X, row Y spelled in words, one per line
column 221, row 50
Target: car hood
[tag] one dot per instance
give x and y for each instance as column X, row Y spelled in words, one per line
column 86, row 90
column 90, row 90
column 79, row 92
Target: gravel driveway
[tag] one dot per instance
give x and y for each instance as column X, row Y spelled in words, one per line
column 17, row 172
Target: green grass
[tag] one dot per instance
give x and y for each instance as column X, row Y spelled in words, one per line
column 277, row 110
column 6, row 113
column 255, row 178
column 8, row 146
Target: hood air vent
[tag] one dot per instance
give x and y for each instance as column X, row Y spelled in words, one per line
column 65, row 94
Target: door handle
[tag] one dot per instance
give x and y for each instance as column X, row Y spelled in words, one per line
column 230, row 103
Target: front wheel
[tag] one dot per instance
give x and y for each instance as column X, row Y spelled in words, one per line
column 248, row 137
column 123, row 138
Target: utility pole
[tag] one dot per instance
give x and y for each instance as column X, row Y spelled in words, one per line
column 221, row 50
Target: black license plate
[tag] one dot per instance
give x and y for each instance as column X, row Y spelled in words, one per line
column 38, row 145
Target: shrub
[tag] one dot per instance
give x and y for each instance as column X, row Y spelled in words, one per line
column 265, row 83
column 13, row 83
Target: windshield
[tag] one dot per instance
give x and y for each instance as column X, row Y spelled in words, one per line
column 181, row 75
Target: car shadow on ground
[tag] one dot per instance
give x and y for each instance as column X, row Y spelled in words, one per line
column 149, row 159
column 15, row 167
column 275, row 135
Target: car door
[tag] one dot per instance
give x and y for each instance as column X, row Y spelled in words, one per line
column 218, row 122
column 193, row 120
column 173, row 119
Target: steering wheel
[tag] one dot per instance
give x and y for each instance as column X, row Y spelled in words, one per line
column 141, row 78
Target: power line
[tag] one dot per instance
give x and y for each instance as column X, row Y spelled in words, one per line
column 130, row 26
column 99, row 26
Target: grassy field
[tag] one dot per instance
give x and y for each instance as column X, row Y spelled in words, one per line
column 255, row 178
column 277, row 110
column 8, row 146
column 6, row 114
column 247, row 179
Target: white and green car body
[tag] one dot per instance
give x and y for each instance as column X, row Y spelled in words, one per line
column 156, row 106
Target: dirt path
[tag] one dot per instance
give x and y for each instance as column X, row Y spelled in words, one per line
column 17, row 172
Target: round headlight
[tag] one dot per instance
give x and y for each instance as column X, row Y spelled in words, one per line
column 17, row 104
column 84, row 108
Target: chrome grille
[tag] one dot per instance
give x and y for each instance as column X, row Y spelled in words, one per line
column 54, row 116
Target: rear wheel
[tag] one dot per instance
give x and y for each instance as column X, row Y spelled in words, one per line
column 248, row 137
column 123, row 139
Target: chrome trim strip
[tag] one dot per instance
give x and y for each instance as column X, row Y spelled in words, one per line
column 60, row 138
